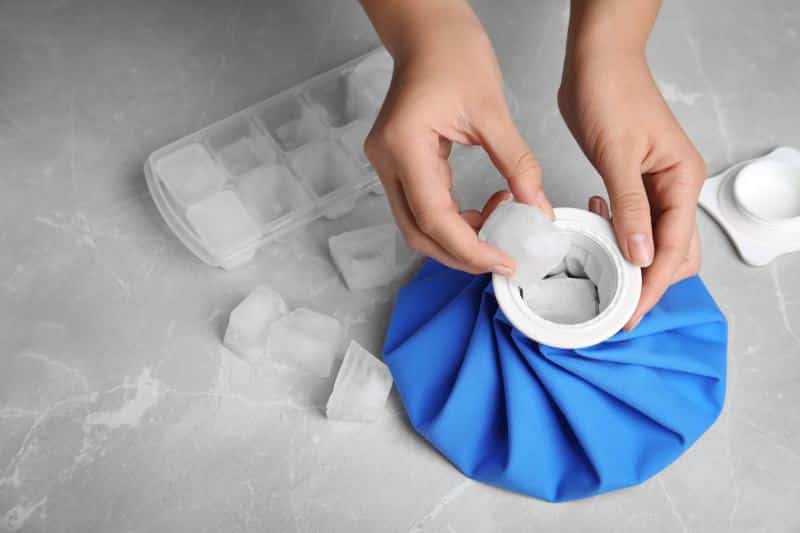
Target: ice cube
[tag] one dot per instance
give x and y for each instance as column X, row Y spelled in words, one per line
column 291, row 123
column 603, row 276
column 306, row 338
column 223, row 223
column 249, row 322
column 299, row 131
column 361, row 388
column 244, row 154
column 562, row 300
column 190, row 173
column 526, row 234
column 272, row 191
column 575, row 262
column 367, row 257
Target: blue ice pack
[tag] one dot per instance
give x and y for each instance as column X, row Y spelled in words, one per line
column 553, row 423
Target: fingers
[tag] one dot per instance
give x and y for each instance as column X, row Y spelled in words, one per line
column 515, row 161
column 674, row 192
column 653, row 286
column 598, row 206
column 426, row 184
column 417, row 180
column 631, row 208
column 691, row 264
column 413, row 236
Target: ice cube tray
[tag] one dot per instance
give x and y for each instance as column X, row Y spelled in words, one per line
column 276, row 165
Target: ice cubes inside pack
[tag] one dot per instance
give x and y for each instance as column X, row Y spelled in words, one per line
column 324, row 167
column 342, row 99
column 190, row 173
column 272, row 191
column 290, row 122
column 307, row 339
column 361, row 388
column 353, row 140
column 562, row 299
column 249, row 322
column 367, row 257
column 525, row 233
column 222, row 223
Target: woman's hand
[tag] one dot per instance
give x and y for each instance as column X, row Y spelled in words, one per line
column 652, row 171
column 446, row 88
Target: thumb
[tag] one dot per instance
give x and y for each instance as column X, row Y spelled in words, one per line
column 516, row 163
column 630, row 208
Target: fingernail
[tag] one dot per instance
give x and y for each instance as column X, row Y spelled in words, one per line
column 640, row 249
column 503, row 270
column 595, row 205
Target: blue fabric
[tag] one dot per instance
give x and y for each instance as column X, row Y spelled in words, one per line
column 552, row 423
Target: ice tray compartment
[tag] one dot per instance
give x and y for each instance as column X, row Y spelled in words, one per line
column 189, row 173
column 272, row 192
column 290, row 122
column 240, row 146
column 374, row 74
column 342, row 99
column 325, row 168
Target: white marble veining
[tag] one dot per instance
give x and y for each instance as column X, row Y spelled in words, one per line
column 121, row 411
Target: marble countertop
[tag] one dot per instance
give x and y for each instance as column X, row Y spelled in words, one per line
column 120, row 412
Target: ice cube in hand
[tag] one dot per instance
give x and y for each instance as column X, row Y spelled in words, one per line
column 562, row 300
column 526, row 234
column 190, row 174
column 223, row 223
column 367, row 257
column 306, row 338
column 249, row 322
column 362, row 386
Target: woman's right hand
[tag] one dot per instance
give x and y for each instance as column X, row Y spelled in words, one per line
column 446, row 88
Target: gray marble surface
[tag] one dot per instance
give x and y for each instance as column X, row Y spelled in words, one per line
column 120, row 412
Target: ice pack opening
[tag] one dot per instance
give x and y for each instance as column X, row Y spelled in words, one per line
column 580, row 288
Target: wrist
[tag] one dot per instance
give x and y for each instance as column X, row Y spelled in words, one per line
column 607, row 34
column 408, row 27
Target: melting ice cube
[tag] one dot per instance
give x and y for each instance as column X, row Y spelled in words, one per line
column 362, row 386
column 306, row 338
column 190, row 173
column 271, row 192
column 367, row 257
column 562, row 300
column 525, row 233
column 223, row 223
column 249, row 322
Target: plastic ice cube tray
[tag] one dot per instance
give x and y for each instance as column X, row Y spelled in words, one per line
column 233, row 186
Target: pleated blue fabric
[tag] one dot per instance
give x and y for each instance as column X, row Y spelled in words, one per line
column 552, row 423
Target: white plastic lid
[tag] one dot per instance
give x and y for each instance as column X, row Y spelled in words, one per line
column 619, row 285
